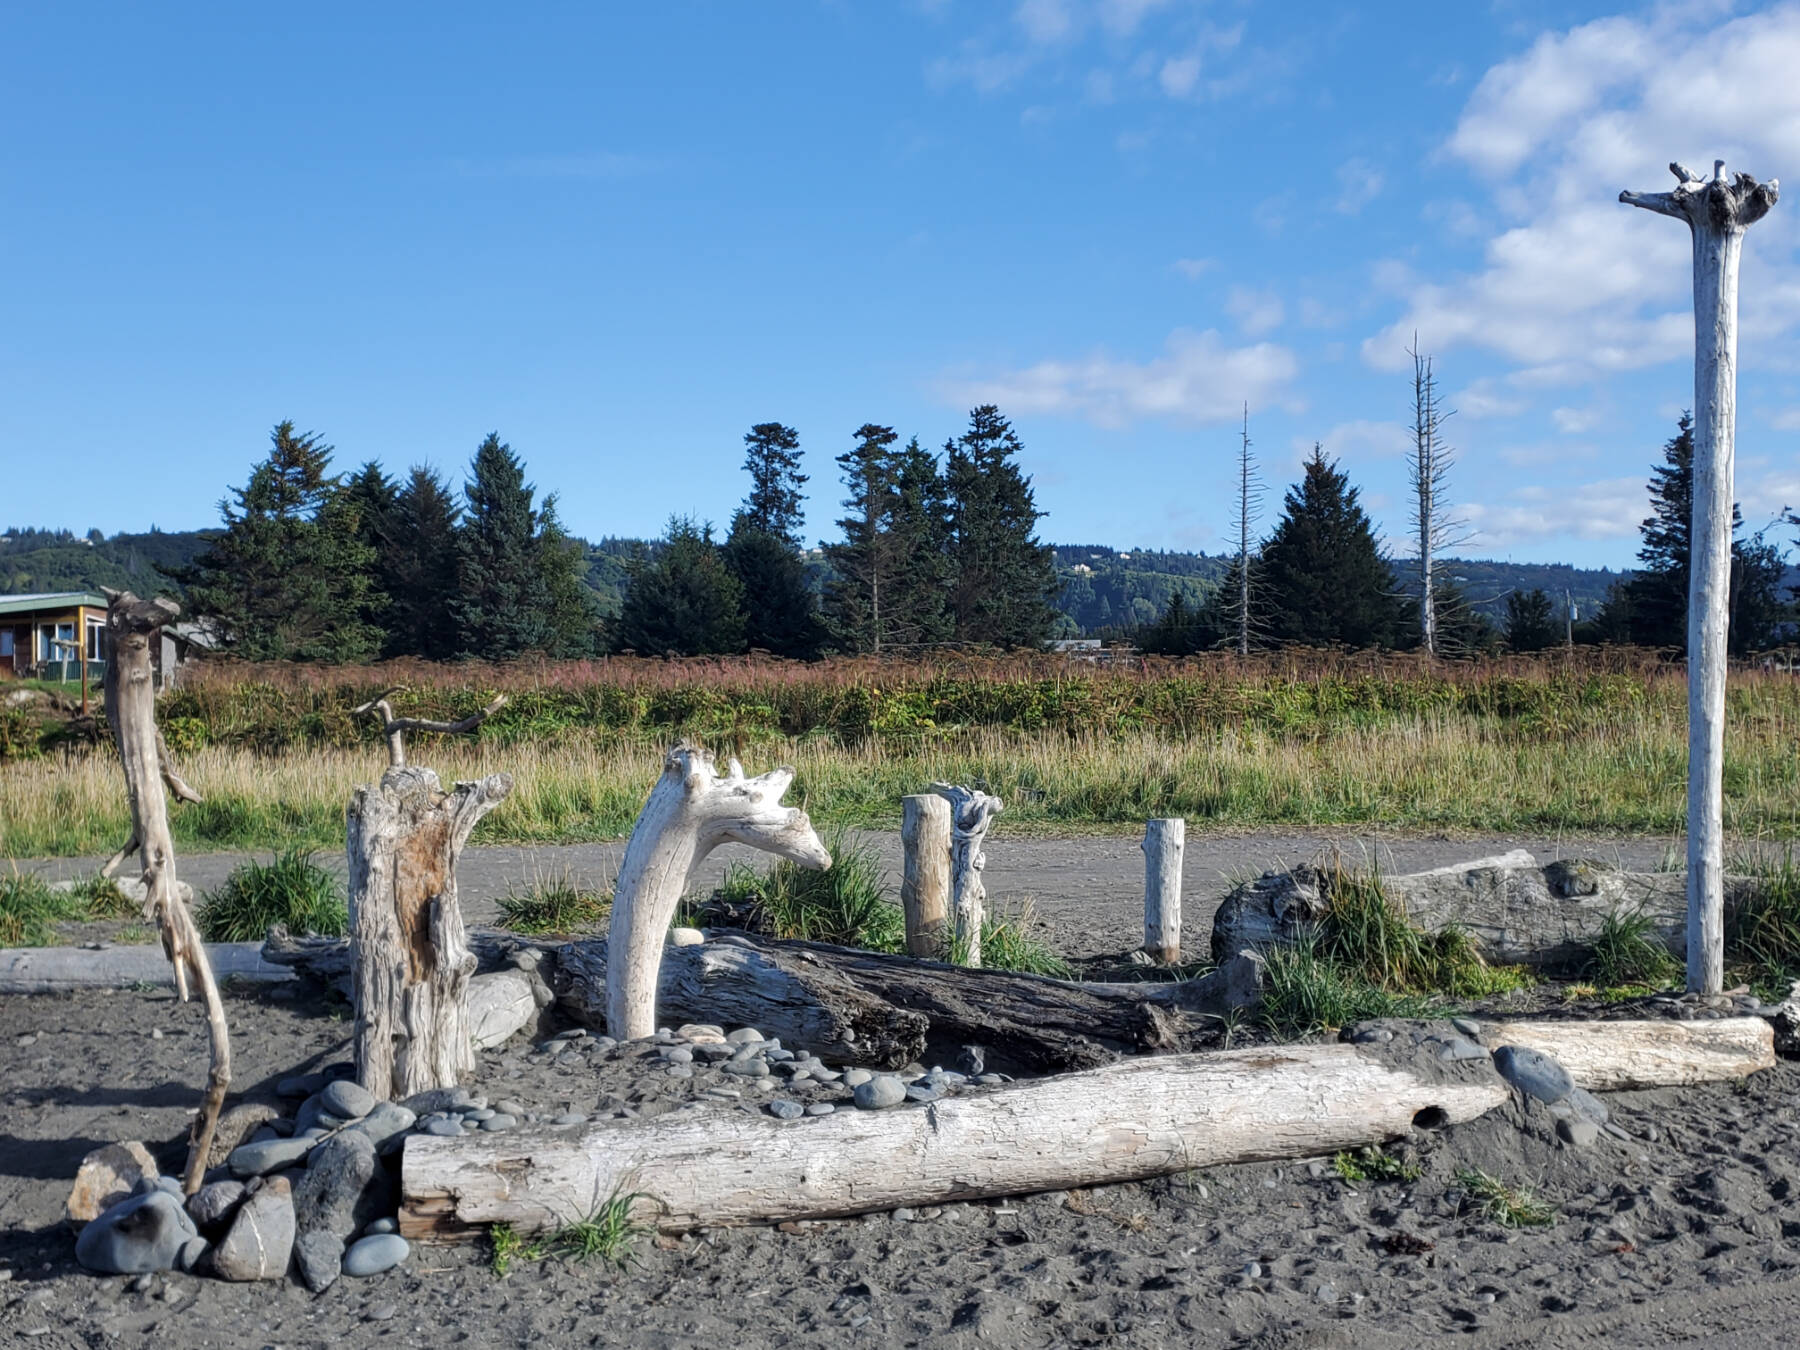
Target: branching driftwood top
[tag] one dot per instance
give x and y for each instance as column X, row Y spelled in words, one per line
column 1723, row 203
column 392, row 727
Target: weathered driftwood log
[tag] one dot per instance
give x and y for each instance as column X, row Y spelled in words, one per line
column 131, row 712
column 61, row 970
column 411, row 963
column 877, row 1009
column 971, row 813
column 1717, row 212
column 1616, row 1056
column 925, row 872
column 1164, row 843
column 1514, row 909
column 328, row 960
column 1141, row 1118
column 691, row 811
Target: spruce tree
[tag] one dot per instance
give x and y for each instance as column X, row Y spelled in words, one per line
column 684, row 601
column 569, row 611
column 918, row 611
column 1327, row 581
column 1530, row 621
column 289, row 577
column 772, row 459
column 420, row 572
column 1003, row 581
column 500, row 610
column 370, row 497
column 865, row 566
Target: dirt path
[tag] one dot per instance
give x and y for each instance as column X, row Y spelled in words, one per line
column 1087, row 892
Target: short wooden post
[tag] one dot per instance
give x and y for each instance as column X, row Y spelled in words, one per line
column 925, row 872
column 1164, row 841
column 971, row 812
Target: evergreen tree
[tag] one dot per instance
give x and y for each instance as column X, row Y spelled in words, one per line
column 1530, row 621
column 918, row 518
column 570, row 612
column 371, row 496
column 419, row 573
column 289, row 577
column 1002, row 579
column 772, row 459
column 1659, row 592
column 1326, row 580
column 1184, row 629
column 865, row 566
column 685, row 601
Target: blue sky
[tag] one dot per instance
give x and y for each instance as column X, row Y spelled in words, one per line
column 622, row 234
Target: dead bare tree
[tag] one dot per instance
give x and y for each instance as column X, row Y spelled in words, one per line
column 1428, row 469
column 1250, row 499
column 130, row 695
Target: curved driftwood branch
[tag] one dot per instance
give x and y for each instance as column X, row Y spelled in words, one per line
column 971, row 812
column 690, row 812
column 1717, row 211
column 392, row 727
column 131, row 712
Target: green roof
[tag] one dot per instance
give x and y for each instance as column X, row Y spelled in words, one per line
column 50, row 600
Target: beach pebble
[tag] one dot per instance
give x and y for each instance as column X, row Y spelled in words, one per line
column 820, row 1109
column 743, row 1035
column 106, row 1176
column 857, row 1077
column 1577, row 1132
column 238, row 1126
column 1469, row 1028
column 1533, row 1073
column 319, row 1257
column 343, row 1186
column 678, row 1054
column 372, row 1255
column 747, row 1068
column 387, row 1121
column 1459, row 1048
column 210, row 1205
column 496, row 1123
column 261, row 1237
column 1253, row 1270
column 255, row 1160
column 570, row 1118
column 434, row 1100
column 381, row 1225
column 711, row 1052
column 915, row 1093
column 686, row 937
column 782, row 1109
column 443, row 1127
column 140, row 1233
column 880, row 1091
column 1587, row 1104
column 347, row 1100
column 679, row 1071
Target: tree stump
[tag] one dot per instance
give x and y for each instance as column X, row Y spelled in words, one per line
column 971, row 812
column 925, row 872
column 410, row 958
column 1164, row 843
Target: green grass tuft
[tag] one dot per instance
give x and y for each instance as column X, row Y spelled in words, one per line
column 1372, row 1164
column 608, row 1234
column 1308, row 991
column 1007, row 943
column 1628, row 951
column 1508, row 1206
column 30, row 908
column 506, row 1246
column 292, row 890
column 844, row 905
column 1762, row 944
column 554, row 906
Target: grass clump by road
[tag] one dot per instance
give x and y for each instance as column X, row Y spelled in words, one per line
column 30, row 907
column 1762, row 943
column 554, row 907
column 1628, row 952
column 292, row 890
column 1508, row 1206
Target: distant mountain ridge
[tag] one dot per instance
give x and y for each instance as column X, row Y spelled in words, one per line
column 1102, row 587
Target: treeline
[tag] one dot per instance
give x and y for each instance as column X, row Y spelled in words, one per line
column 1319, row 579
column 311, row 565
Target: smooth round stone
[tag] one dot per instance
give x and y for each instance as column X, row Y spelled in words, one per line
column 570, row 1118
column 748, row 1068
column 782, row 1109
column 372, row 1255
column 496, row 1123
column 255, row 1160
column 1533, row 1073
column 347, row 1100
column 679, row 1071
column 712, row 1051
column 604, row 1043
column 678, row 1054
column 486, row 1113
column 381, row 1226
column 820, row 1109
column 686, row 937
column 880, row 1091
column 443, row 1127
column 777, row 1055
column 856, row 1077
column 743, row 1035
column 511, row 1106
column 915, row 1093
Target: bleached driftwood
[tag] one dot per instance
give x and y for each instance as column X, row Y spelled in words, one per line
column 1717, row 210
column 875, row 1009
column 1617, row 1056
column 971, row 812
column 1514, row 909
column 690, row 812
column 62, row 970
column 410, row 960
column 394, row 728
column 1164, row 843
column 130, row 695
column 925, row 871
column 1140, row 1118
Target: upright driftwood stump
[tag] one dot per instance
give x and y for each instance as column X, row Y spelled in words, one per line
column 971, row 812
column 131, row 712
column 410, row 958
column 691, row 811
column 1164, row 843
column 925, row 872
column 1717, row 210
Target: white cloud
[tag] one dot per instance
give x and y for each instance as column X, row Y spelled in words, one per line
column 1197, row 379
column 1257, row 312
column 1367, row 440
column 1179, row 75
column 1484, row 399
column 1574, row 421
column 1194, row 268
column 1574, row 285
column 1788, row 419
column 1045, row 21
column 1608, row 509
column 1359, row 183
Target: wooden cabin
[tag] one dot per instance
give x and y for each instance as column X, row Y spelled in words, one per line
column 50, row 634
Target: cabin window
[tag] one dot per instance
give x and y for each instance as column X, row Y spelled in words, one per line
column 6, row 642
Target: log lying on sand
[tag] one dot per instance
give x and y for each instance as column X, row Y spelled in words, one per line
column 1140, row 1118
column 1618, row 1056
column 876, row 1009
column 63, row 970
column 1516, row 910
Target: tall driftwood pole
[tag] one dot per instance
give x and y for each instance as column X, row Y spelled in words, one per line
column 925, row 872
column 971, row 812
column 690, row 812
column 1164, row 843
column 131, row 711
column 1717, row 211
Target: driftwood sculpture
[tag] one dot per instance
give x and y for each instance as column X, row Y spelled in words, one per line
column 971, row 812
column 409, row 955
column 1137, row 1119
column 131, row 712
column 691, row 811
column 1717, row 210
